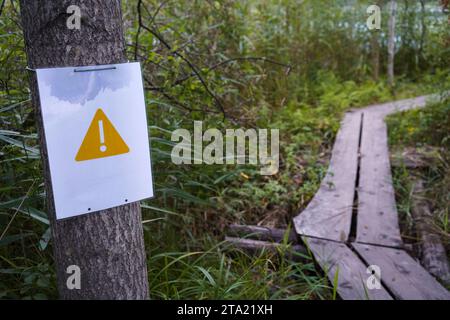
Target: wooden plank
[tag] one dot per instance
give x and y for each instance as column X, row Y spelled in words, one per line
column 407, row 104
column 261, row 233
column 416, row 158
column 329, row 213
column 377, row 219
column 385, row 109
column 296, row 252
column 432, row 251
column 337, row 257
column 401, row 274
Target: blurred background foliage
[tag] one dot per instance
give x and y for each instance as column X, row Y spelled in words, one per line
column 294, row 65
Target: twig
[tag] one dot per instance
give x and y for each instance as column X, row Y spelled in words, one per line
column 188, row 62
column 2, row 6
column 17, row 210
column 289, row 67
column 172, row 99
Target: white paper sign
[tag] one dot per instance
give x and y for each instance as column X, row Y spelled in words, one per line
column 95, row 127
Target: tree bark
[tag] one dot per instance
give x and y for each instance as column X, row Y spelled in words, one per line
column 107, row 246
column 375, row 55
column 423, row 32
column 391, row 41
column 375, row 48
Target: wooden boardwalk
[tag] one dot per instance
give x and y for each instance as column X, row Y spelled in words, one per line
column 352, row 221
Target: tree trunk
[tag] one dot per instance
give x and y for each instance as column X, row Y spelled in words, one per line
column 107, row 246
column 423, row 33
column 375, row 55
column 375, row 50
column 391, row 42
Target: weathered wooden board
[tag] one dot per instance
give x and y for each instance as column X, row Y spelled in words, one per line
column 408, row 104
column 432, row 251
column 261, row 233
column 337, row 257
column 401, row 274
column 377, row 219
column 415, row 158
column 296, row 252
column 385, row 109
column 329, row 213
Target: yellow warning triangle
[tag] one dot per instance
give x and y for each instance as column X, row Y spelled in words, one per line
column 101, row 140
